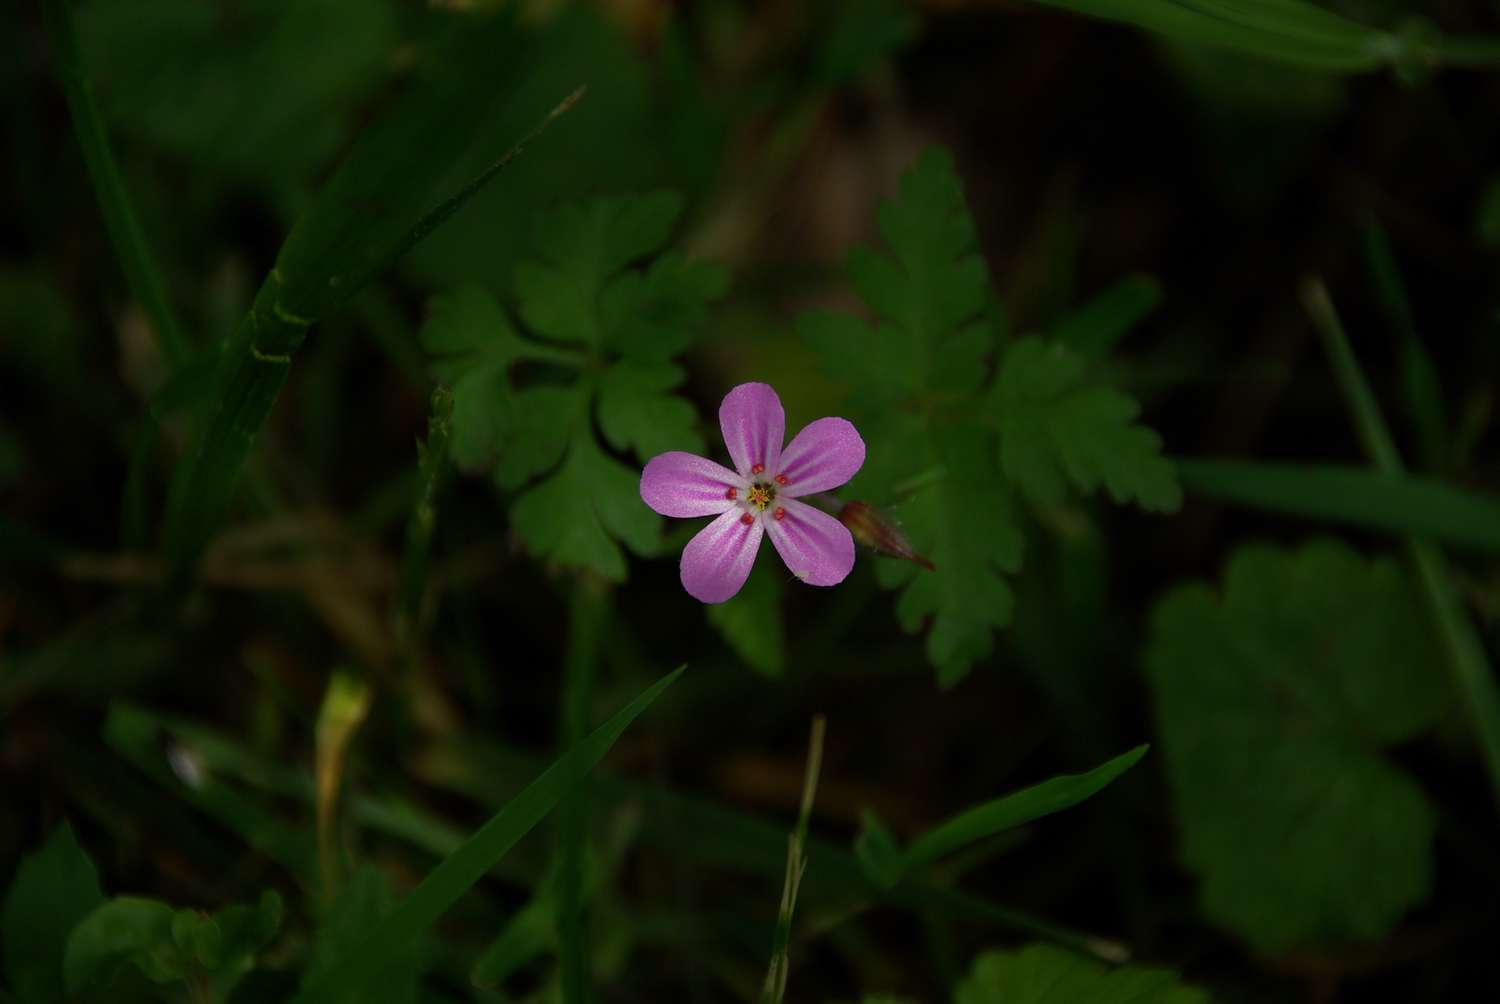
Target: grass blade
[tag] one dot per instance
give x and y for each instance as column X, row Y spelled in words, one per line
column 1288, row 31
column 1420, row 387
column 774, row 989
column 379, row 204
column 1418, row 506
column 587, row 612
column 464, row 867
column 1039, row 800
column 1471, row 671
column 432, row 464
column 114, row 202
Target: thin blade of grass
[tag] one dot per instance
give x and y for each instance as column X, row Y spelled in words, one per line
column 1471, row 670
column 458, row 872
column 376, row 208
column 1421, row 390
column 1288, row 31
column 125, row 232
column 1023, row 806
column 1355, row 496
column 433, row 463
column 774, row 988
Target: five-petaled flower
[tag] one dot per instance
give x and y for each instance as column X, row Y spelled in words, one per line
column 759, row 496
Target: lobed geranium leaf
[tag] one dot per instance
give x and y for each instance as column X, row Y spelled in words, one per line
column 1056, row 426
column 1281, row 692
column 1043, row 974
column 580, row 246
column 918, row 378
column 652, row 314
column 606, row 329
column 638, row 412
column 575, row 516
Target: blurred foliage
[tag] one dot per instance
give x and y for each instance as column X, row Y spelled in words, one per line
column 1281, row 695
column 1076, row 243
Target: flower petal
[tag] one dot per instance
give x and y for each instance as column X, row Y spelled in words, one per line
column 754, row 426
column 822, row 456
column 717, row 561
column 680, row 484
column 817, row 548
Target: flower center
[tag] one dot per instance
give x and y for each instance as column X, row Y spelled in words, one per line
column 761, row 494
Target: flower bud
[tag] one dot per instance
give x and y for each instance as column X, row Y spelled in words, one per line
column 873, row 528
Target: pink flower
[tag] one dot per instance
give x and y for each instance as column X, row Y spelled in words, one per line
column 759, row 496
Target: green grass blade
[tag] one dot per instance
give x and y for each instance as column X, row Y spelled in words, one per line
column 1288, row 31
column 1420, row 387
column 119, row 216
column 1472, row 674
column 423, row 520
column 1356, row 496
column 383, row 201
column 1002, row 814
column 464, row 867
column 588, row 610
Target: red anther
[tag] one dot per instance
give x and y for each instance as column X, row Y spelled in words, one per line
column 747, row 519
column 780, row 513
column 758, row 469
column 781, row 479
column 731, row 494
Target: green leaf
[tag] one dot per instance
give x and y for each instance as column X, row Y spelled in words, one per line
column 579, row 287
column 392, row 191
column 887, row 863
column 459, row 871
column 638, row 412
column 963, row 522
column 751, row 621
column 1042, row 974
column 1056, row 428
column 127, row 929
column 1097, row 327
column 1275, row 702
column 54, row 889
column 580, row 246
column 1032, row 803
column 575, row 516
column 1357, row 496
column 1288, row 31
column 362, row 905
column 653, row 314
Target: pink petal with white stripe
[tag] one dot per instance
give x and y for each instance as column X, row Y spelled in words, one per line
column 754, row 427
column 717, row 561
column 817, row 548
column 681, row 484
column 824, row 455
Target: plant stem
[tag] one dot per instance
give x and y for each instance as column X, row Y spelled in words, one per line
column 119, row 218
column 587, row 612
column 419, row 527
column 1466, row 659
column 796, row 866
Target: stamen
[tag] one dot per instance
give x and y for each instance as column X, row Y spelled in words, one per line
column 780, row 512
column 758, row 469
column 731, row 495
column 781, row 479
column 747, row 519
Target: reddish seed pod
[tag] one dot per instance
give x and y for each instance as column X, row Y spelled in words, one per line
column 873, row 528
column 780, row 512
column 758, row 469
column 781, row 479
column 731, row 494
column 747, row 519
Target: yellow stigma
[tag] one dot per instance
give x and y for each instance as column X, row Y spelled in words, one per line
column 761, row 494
